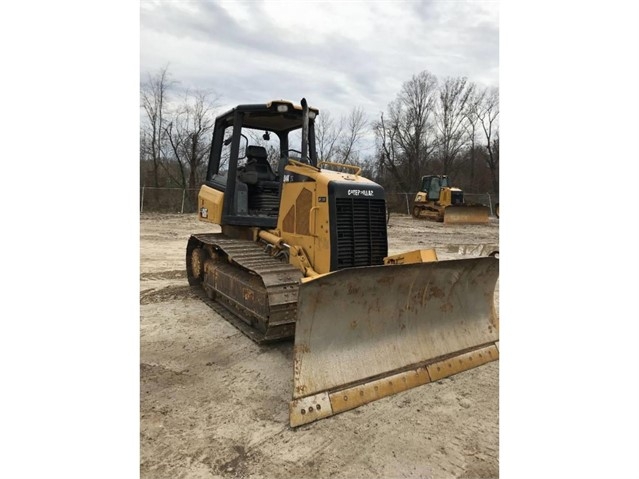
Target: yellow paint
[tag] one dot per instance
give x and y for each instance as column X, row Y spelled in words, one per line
column 315, row 241
column 417, row 256
column 420, row 197
column 353, row 397
column 462, row 362
column 212, row 200
column 291, row 105
column 445, row 199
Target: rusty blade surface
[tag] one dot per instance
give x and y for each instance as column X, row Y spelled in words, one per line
column 466, row 215
column 361, row 324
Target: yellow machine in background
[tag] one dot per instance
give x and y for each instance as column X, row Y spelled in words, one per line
column 437, row 200
column 303, row 253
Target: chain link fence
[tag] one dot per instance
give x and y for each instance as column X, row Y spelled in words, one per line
column 184, row 200
column 168, row 200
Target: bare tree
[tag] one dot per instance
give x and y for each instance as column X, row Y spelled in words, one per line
column 339, row 141
column 326, row 136
column 470, row 125
column 175, row 140
column 450, row 118
column 153, row 96
column 487, row 113
column 389, row 157
column 189, row 134
column 406, row 138
column 354, row 127
column 200, row 120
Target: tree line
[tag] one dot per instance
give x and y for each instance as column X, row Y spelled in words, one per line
column 433, row 126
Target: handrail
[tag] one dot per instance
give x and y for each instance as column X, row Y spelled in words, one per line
column 299, row 163
column 357, row 169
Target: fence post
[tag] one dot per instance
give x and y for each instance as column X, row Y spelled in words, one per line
column 407, row 206
column 142, row 200
column 490, row 205
column 183, row 196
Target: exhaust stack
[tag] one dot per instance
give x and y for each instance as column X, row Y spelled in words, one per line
column 305, row 131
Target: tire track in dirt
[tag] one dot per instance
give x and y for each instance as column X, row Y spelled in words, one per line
column 156, row 374
column 168, row 293
column 174, row 274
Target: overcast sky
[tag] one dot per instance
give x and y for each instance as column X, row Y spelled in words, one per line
column 338, row 55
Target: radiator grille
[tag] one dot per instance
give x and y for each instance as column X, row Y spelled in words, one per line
column 361, row 232
column 457, row 197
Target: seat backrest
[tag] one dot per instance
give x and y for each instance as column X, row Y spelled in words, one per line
column 256, row 161
column 254, row 151
column 434, row 189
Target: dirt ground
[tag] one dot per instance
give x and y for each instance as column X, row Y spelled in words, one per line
column 215, row 404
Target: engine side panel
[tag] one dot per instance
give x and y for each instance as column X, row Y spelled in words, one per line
column 210, row 202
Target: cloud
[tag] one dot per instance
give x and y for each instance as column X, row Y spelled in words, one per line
column 339, row 55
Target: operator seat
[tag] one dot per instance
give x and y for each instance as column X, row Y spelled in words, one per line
column 263, row 184
column 257, row 170
column 434, row 189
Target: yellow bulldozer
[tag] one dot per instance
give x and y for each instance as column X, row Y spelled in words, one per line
column 303, row 253
column 437, row 200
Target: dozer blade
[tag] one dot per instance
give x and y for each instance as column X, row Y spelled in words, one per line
column 472, row 215
column 366, row 333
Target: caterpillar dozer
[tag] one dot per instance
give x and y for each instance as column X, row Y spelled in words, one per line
column 303, row 254
column 437, row 200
